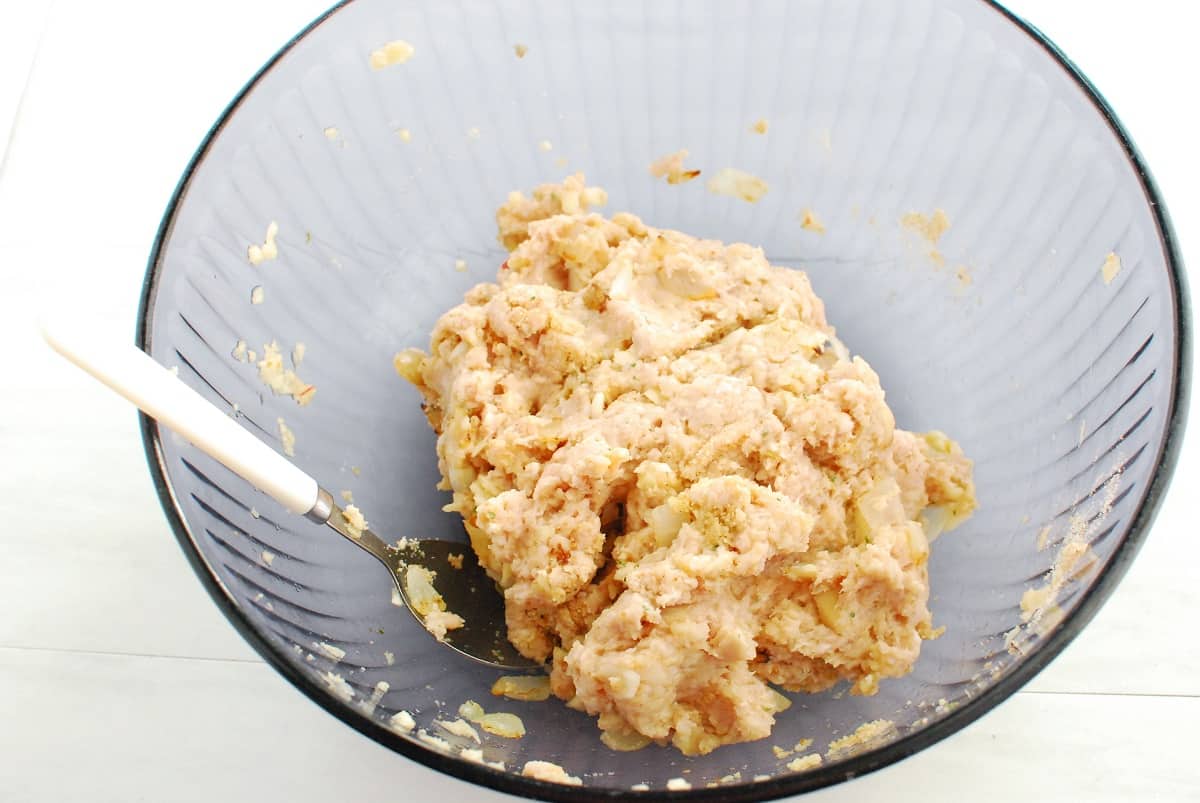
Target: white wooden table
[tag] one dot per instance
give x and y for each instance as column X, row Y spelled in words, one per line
column 120, row 681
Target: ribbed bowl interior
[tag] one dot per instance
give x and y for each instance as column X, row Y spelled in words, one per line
column 1058, row 383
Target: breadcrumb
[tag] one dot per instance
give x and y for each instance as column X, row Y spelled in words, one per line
column 257, row 254
column 395, row 52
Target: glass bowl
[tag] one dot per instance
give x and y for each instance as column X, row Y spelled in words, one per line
column 1063, row 380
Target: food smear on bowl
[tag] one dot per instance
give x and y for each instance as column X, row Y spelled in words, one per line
column 963, row 277
column 671, row 168
column 805, row 763
column 760, row 126
column 783, row 752
column 287, row 438
column 369, row 705
column 331, row 652
column 528, row 688
column 397, row 51
column 434, row 741
column 338, row 686
column 282, row 381
column 865, row 736
column 550, row 772
column 1110, row 268
column 687, row 488
column 458, row 727
column 475, row 755
column 1040, row 611
column 930, row 227
column 738, row 184
column 810, row 222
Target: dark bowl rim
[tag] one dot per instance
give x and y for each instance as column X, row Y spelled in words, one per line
column 1022, row 673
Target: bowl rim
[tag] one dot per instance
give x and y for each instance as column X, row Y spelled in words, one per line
column 828, row 775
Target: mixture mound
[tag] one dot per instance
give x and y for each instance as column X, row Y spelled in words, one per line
column 685, row 486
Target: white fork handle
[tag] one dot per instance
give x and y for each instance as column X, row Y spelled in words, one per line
column 164, row 397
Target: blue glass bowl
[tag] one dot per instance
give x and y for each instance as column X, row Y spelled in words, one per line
column 1066, row 385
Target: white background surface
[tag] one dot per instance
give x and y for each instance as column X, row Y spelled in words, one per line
column 120, row 681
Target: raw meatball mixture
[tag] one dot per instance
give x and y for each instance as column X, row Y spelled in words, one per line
column 686, row 488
